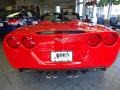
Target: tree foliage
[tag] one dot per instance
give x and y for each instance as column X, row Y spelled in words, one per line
column 106, row 2
column 116, row 2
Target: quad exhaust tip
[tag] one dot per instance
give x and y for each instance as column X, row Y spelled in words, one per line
column 72, row 74
column 51, row 74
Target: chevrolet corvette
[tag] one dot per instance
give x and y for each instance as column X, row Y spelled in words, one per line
column 61, row 43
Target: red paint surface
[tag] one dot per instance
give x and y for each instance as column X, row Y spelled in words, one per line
column 84, row 56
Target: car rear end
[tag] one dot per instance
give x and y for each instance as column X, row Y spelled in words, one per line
column 61, row 50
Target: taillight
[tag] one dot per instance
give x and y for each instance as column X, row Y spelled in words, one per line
column 13, row 42
column 110, row 39
column 13, row 22
column 28, row 42
column 94, row 40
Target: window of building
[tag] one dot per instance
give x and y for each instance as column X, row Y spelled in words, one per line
column 58, row 9
column 79, row 7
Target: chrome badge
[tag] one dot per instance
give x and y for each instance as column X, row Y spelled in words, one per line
column 62, row 40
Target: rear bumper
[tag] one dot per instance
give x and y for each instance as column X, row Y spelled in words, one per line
column 30, row 60
column 27, row 61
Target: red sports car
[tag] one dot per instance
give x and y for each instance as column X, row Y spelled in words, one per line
column 61, row 42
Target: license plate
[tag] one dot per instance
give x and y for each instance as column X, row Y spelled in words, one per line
column 61, row 56
column 1, row 24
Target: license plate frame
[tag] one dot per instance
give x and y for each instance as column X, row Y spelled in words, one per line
column 61, row 56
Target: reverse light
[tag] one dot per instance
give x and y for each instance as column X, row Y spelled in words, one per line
column 13, row 42
column 110, row 39
column 94, row 40
column 28, row 42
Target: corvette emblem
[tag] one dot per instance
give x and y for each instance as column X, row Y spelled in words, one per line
column 62, row 40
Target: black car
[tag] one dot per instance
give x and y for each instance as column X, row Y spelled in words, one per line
column 16, row 20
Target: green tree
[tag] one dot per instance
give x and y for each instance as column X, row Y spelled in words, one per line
column 116, row 2
column 103, row 2
column 106, row 2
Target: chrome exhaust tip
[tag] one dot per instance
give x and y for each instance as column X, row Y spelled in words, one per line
column 69, row 74
column 73, row 74
column 48, row 75
column 51, row 74
column 54, row 74
column 76, row 74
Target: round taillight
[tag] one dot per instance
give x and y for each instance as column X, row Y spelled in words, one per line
column 94, row 40
column 110, row 39
column 28, row 42
column 13, row 42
